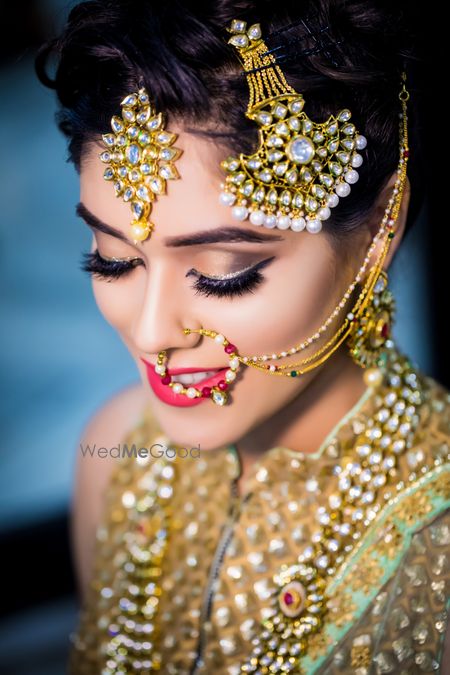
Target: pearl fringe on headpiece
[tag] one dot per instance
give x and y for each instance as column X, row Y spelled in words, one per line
column 302, row 168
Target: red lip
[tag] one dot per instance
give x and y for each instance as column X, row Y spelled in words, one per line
column 165, row 393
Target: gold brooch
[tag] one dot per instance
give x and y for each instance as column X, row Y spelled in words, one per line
column 301, row 168
column 140, row 156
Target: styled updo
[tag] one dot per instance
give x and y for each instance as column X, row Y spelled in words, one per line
column 178, row 49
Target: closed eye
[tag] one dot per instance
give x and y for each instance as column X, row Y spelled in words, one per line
column 108, row 268
column 229, row 285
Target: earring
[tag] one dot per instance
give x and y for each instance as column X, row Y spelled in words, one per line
column 372, row 329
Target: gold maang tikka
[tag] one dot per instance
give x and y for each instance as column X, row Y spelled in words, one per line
column 301, row 168
column 140, row 158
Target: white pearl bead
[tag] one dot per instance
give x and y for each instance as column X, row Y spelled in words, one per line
column 239, row 212
column 227, row 198
column 332, row 200
column 161, row 370
column 314, row 225
column 361, row 142
column 257, row 217
column 283, row 222
column 234, row 363
column 139, row 232
column 230, row 375
column 191, row 392
column 298, row 224
column 219, row 338
column 177, row 387
column 373, row 377
column 324, row 213
column 270, row 221
column 342, row 189
column 357, row 160
column 351, row 176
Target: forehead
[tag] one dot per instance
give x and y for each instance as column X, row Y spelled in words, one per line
column 188, row 202
column 196, row 190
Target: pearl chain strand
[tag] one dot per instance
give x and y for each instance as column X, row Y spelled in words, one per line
column 387, row 220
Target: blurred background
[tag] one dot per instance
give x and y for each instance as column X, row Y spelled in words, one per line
column 60, row 360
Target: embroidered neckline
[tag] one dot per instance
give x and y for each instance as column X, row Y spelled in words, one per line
column 331, row 437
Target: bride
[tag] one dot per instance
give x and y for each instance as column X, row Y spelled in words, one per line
column 273, row 495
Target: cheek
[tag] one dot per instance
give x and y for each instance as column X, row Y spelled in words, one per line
column 289, row 307
column 297, row 312
column 115, row 301
column 279, row 316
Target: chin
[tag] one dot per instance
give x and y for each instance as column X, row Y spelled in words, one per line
column 210, row 430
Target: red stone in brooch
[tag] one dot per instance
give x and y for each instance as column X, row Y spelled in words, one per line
column 292, row 599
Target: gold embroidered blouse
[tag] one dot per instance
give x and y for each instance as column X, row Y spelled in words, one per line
column 213, row 587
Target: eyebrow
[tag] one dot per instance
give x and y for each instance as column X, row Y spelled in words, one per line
column 227, row 234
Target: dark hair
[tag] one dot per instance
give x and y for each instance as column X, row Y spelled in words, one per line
column 178, row 49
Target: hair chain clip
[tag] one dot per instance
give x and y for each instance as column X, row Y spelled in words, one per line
column 301, row 168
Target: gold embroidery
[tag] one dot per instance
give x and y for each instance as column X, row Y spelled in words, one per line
column 367, row 574
column 342, row 609
column 259, row 543
column 318, row 645
column 360, row 656
column 390, row 541
column 443, row 487
column 415, row 509
column 369, row 570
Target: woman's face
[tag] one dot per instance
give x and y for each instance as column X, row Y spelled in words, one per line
column 301, row 280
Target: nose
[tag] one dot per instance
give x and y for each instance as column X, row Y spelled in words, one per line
column 161, row 317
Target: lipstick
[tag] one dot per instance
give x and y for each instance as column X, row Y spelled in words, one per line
column 165, row 393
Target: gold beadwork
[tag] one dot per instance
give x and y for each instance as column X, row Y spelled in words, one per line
column 131, row 629
column 340, row 524
column 140, row 158
column 301, row 168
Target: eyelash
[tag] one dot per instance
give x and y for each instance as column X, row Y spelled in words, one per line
column 242, row 283
column 104, row 269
